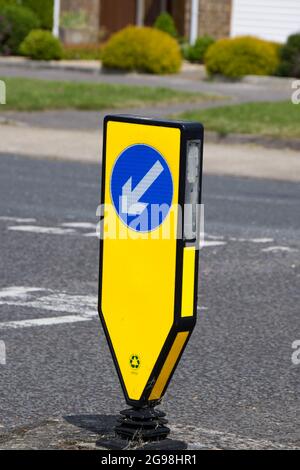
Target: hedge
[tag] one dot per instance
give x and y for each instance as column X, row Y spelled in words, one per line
column 143, row 49
column 241, row 56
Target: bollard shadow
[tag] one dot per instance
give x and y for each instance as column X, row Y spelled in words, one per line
column 103, row 426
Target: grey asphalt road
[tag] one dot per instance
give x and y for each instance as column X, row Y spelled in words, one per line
column 236, row 381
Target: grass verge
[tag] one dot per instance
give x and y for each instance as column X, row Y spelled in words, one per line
column 279, row 119
column 25, row 94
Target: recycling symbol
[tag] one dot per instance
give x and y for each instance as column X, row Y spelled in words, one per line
column 134, row 361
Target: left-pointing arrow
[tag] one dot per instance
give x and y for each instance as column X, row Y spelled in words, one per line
column 130, row 200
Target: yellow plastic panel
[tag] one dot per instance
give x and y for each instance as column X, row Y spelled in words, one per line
column 188, row 282
column 169, row 365
column 138, row 298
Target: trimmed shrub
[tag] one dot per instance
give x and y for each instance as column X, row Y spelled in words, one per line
column 197, row 52
column 142, row 49
column 290, row 57
column 82, row 52
column 164, row 22
column 41, row 45
column 17, row 22
column 241, row 56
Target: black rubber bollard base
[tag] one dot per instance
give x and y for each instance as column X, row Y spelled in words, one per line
column 142, row 424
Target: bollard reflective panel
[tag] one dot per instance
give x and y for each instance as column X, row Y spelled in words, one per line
column 151, row 188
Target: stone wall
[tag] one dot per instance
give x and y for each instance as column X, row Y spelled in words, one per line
column 92, row 8
column 215, row 18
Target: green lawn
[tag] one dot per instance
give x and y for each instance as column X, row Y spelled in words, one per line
column 280, row 119
column 34, row 95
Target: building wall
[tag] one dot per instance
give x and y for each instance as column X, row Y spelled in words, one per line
column 92, row 7
column 215, row 18
column 274, row 20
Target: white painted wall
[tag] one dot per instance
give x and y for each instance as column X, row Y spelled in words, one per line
column 269, row 19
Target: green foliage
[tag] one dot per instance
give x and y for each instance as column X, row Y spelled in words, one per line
column 290, row 57
column 279, row 119
column 164, row 22
column 5, row 3
column 41, row 45
column 82, row 52
column 43, row 9
column 27, row 94
column 241, row 56
column 196, row 52
column 16, row 22
column 142, row 49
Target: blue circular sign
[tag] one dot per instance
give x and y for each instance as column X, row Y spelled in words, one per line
column 141, row 188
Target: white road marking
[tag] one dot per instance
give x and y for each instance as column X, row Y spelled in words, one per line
column 17, row 220
column 58, row 302
column 91, row 234
column 81, row 307
column 261, row 240
column 20, row 292
column 208, row 244
column 44, row 230
column 69, row 228
column 83, row 225
column 2, row 354
column 214, row 237
column 45, row 321
column 274, row 249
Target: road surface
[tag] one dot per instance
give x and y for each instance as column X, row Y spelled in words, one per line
column 236, row 386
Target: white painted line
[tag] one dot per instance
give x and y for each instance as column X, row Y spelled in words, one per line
column 274, row 249
column 86, row 225
column 58, row 302
column 91, row 234
column 44, row 230
column 209, row 244
column 20, row 292
column 251, row 240
column 17, row 220
column 2, row 353
column 201, row 308
column 45, row 321
column 261, row 240
column 214, row 237
column 80, row 307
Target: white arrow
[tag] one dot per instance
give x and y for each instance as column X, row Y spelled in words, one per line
column 130, row 200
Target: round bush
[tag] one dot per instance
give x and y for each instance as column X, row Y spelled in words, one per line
column 164, row 22
column 142, row 49
column 41, row 45
column 19, row 21
column 290, row 57
column 241, row 56
column 197, row 52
